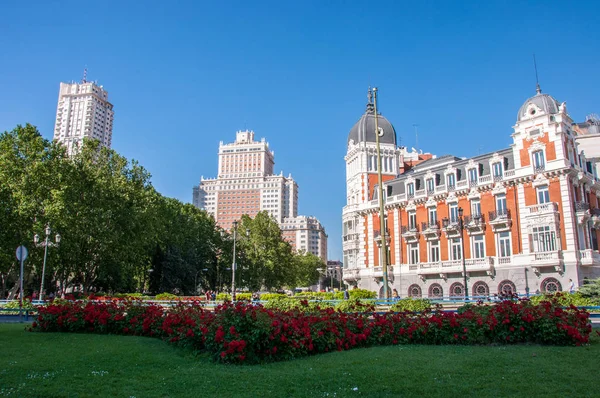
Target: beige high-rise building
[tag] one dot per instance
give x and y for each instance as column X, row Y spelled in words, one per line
column 245, row 184
column 83, row 111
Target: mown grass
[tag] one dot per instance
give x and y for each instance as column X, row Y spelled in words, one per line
column 81, row 365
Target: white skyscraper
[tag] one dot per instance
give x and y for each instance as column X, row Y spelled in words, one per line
column 83, row 111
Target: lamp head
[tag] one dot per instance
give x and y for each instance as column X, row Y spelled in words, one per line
column 460, row 211
column 47, row 230
column 36, row 239
column 57, row 238
column 445, row 222
column 235, row 224
column 247, row 231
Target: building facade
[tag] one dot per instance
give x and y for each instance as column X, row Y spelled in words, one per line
column 245, row 184
column 305, row 234
column 523, row 219
column 83, row 111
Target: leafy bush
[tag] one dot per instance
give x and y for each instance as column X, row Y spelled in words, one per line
column 243, row 296
column 315, row 295
column 166, row 297
column 362, row 294
column 15, row 305
column 223, row 297
column 591, row 290
column 411, row 304
column 272, row 296
column 354, row 305
column 295, row 304
column 138, row 296
column 565, row 299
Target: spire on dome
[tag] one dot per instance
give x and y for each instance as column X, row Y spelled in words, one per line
column 370, row 106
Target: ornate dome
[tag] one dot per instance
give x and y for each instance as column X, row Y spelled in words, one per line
column 544, row 102
column 364, row 129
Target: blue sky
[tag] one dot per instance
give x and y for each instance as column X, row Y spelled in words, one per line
column 185, row 75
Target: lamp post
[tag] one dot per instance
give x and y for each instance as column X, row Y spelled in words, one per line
column 383, row 248
column 45, row 244
column 235, row 223
column 461, row 227
column 196, row 279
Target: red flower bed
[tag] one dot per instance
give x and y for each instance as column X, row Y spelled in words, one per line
column 244, row 332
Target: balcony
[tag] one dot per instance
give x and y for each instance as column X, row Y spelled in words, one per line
column 552, row 259
column 410, row 233
column 378, row 272
column 462, row 184
column 430, row 230
column 500, row 220
column 503, row 260
column 485, row 179
column 474, row 223
column 456, row 267
column 351, row 275
column 589, row 257
column 542, row 209
column 452, row 229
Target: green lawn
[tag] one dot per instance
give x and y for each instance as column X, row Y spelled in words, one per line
column 78, row 365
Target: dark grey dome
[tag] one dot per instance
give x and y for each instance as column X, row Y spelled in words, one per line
column 543, row 101
column 364, row 129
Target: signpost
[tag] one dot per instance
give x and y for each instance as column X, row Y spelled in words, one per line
column 21, row 256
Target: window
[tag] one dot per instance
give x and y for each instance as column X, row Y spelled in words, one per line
column 543, row 196
column 432, row 215
column 430, row 186
column 472, row 176
column 501, row 205
column 475, row 208
column 434, row 251
column 497, row 170
column 504, row 244
column 412, row 220
column 451, row 181
column 538, row 160
column 453, row 212
column 455, row 249
column 410, row 189
column 413, row 253
column 544, row 239
column 478, row 246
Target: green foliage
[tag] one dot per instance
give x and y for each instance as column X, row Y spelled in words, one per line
column 565, row 299
column 362, row 294
column 137, row 296
column 591, row 290
column 15, row 305
column 355, row 305
column 166, row 297
column 295, row 304
column 411, row 305
column 271, row 296
column 223, row 297
column 243, row 296
column 315, row 295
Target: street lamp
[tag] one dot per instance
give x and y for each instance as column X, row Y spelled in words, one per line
column 45, row 244
column 235, row 223
column 383, row 248
column 461, row 227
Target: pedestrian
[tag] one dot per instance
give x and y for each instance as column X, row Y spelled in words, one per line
column 346, row 294
column 395, row 295
column 571, row 286
column 213, row 296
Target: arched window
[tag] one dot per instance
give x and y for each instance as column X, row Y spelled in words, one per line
column 457, row 290
column 436, row 291
column 414, row 291
column 507, row 288
column 551, row 285
column 481, row 289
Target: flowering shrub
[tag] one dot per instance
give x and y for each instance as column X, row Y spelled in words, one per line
column 166, row 297
column 242, row 332
column 411, row 304
column 565, row 299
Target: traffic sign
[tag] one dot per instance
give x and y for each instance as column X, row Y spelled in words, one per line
column 21, row 253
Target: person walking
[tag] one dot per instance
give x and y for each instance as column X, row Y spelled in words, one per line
column 571, row 286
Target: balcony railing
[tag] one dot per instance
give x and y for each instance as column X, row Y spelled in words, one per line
column 462, row 184
column 545, row 256
column 499, row 214
column 581, row 206
column 503, row 260
column 474, row 218
column 485, row 179
column 539, row 168
column 509, row 173
column 549, row 207
column 430, row 225
column 412, row 228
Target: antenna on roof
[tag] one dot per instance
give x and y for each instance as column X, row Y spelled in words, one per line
column 84, row 80
column 537, row 82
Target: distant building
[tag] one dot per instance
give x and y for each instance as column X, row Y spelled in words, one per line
column 246, row 185
column 83, row 111
column 530, row 213
column 305, row 234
